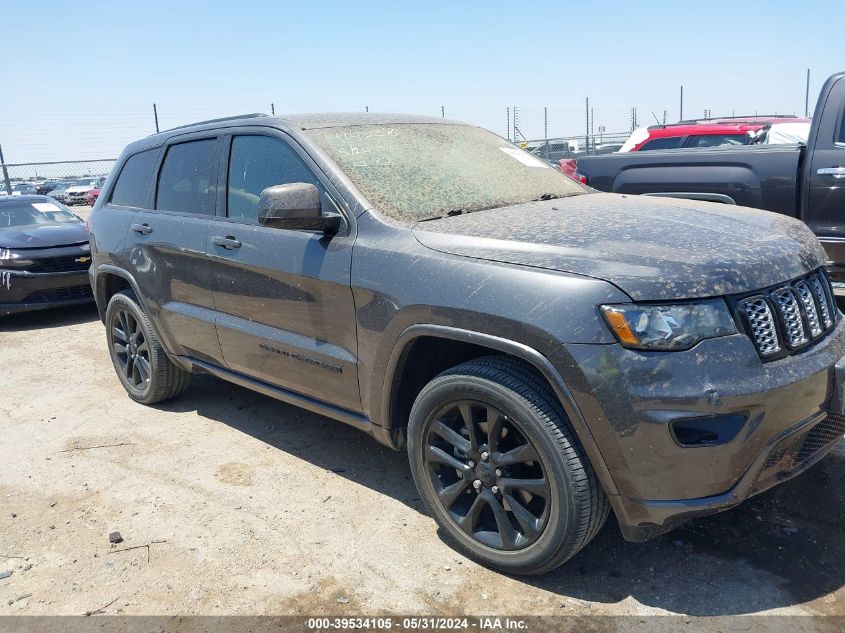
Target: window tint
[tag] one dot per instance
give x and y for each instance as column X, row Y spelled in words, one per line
column 131, row 187
column 670, row 142
column 258, row 162
column 188, row 178
column 716, row 140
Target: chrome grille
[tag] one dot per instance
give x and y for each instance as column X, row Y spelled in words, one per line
column 791, row 317
column 817, row 284
column 809, row 308
column 762, row 325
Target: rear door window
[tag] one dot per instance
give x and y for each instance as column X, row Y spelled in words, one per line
column 716, row 140
column 669, row 142
column 133, row 183
column 187, row 182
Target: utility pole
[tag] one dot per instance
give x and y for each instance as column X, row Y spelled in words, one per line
column 633, row 119
column 807, row 96
column 5, row 173
column 273, row 109
column 508, row 115
column 516, row 131
column 546, row 129
column 442, row 112
column 366, row 108
column 155, row 114
column 587, row 129
column 681, row 118
column 664, row 117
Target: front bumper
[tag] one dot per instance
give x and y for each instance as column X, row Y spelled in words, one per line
column 632, row 401
column 25, row 291
column 28, row 292
column 73, row 200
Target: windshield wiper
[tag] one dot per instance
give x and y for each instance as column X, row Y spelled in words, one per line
column 448, row 214
column 556, row 196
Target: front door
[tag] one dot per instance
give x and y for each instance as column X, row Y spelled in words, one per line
column 825, row 210
column 285, row 311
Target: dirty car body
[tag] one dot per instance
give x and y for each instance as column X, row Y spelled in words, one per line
column 44, row 255
column 439, row 258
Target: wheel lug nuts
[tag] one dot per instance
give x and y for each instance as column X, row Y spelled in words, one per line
column 498, row 472
column 471, row 464
column 495, row 490
column 476, row 484
column 485, row 455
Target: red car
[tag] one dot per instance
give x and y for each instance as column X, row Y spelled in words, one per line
column 689, row 135
column 92, row 196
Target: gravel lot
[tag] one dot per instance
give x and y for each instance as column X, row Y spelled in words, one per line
column 238, row 504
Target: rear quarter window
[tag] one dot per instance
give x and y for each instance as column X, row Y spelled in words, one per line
column 133, row 183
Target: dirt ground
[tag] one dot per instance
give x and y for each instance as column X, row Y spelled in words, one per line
column 235, row 503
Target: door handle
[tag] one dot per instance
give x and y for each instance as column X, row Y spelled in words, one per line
column 143, row 229
column 228, row 242
column 836, row 172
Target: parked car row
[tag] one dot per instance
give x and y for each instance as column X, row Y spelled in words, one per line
column 69, row 192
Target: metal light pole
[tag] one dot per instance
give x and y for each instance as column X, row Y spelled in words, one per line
column 807, row 96
column 682, row 103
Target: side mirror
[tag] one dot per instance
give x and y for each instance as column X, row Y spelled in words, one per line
column 295, row 206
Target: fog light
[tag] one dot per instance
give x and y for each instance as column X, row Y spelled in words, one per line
column 707, row 431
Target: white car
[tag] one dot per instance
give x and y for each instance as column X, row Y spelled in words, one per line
column 78, row 192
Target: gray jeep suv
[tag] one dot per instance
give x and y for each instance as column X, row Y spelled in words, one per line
column 545, row 352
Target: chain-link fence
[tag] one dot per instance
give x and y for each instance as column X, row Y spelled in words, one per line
column 555, row 149
column 69, row 182
column 55, row 177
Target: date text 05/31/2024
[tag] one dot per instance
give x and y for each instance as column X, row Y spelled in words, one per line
column 419, row 623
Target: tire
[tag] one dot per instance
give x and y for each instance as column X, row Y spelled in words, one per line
column 533, row 453
column 141, row 364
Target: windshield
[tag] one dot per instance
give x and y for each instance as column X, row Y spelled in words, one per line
column 419, row 171
column 85, row 183
column 24, row 214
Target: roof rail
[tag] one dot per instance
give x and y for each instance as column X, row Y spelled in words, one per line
column 737, row 118
column 220, row 120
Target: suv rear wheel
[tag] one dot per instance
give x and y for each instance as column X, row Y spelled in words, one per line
column 499, row 468
column 145, row 371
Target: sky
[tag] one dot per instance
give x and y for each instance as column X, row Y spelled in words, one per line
column 81, row 79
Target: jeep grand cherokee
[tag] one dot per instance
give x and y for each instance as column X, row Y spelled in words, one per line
column 544, row 352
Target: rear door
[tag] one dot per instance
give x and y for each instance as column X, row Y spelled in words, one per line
column 285, row 312
column 167, row 247
column 825, row 210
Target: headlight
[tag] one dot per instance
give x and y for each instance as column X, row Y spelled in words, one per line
column 668, row 327
column 8, row 259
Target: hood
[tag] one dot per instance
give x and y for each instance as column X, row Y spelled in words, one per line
column 43, row 235
column 79, row 189
column 651, row 248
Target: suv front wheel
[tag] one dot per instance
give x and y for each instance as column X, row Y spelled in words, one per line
column 500, row 469
column 145, row 371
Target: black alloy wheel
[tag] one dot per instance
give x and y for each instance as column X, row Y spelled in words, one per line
column 131, row 349
column 487, row 475
column 141, row 363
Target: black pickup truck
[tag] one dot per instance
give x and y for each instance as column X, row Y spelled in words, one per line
column 802, row 181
